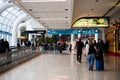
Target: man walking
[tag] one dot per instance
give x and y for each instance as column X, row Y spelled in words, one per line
column 79, row 46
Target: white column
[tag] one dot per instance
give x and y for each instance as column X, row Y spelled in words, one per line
column 59, row 34
column 79, row 35
column 72, row 41
column 72, row 38
column 29, row 37
column 15, row 28
column 19, row 33
column 96, row 37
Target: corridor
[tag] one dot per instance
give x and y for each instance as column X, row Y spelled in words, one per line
column 55, row 66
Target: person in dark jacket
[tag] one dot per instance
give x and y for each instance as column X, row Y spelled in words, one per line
column 99, row 56
column 79, row 46
column 6, row 43
column 2, row 46
column 91, row 54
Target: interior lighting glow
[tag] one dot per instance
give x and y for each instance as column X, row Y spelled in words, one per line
column 43, row 0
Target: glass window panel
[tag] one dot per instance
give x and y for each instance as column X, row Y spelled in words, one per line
column 10, row 30
column 10, row 23
column 13, row 11
column 5, row 13
column 10, row 9
column 9, row 16
column 2, row 35
column 6, row 21
column 18, row 14
column 13, row 18
column 7, row 28
column 5, row 0
column 17, row 8
column 0, row 25
column 1, row 21
column 3, row 27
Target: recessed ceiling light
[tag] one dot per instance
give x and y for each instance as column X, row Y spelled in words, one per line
column 43, row 0
column 30, row 9
column 66, row 9
column 9, row 1
column 96, row 0
column 38, row 17
column 91, row 9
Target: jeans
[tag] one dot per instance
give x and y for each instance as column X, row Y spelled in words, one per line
column 90, row 59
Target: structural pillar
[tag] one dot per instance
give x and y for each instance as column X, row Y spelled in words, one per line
column 29, row 37
column 96, row 37
column 79, row 35
column 72, row 40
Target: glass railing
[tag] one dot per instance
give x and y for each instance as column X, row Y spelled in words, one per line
column 14, row 55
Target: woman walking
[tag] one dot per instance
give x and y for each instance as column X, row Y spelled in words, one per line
column 99, row 56
column 91, row 55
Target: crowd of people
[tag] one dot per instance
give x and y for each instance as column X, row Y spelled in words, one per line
column 94, row 51
column 53, row 46
column 4, row 46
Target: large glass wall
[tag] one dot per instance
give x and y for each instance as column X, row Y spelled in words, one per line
column 7, row 21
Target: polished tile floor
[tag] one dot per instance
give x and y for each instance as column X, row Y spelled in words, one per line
column 55, row 66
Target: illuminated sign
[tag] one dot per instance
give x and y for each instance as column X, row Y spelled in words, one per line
column 91, row 22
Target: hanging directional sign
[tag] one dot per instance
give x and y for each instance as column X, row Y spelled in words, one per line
column 73, row 31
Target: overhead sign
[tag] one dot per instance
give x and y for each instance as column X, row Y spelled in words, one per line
column 91, row 22
column 73, row 31
column 4, row 32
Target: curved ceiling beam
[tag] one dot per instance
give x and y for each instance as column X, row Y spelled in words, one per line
column 21, row 25
column 15, row 28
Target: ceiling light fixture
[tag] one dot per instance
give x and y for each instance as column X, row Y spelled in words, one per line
column 96, row 0
column 91, row 9
column 38, row 17
column 43, row 0
column 30, row 9
column 66, row 9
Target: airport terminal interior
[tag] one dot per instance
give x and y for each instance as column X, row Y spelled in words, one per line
column 59, row 39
